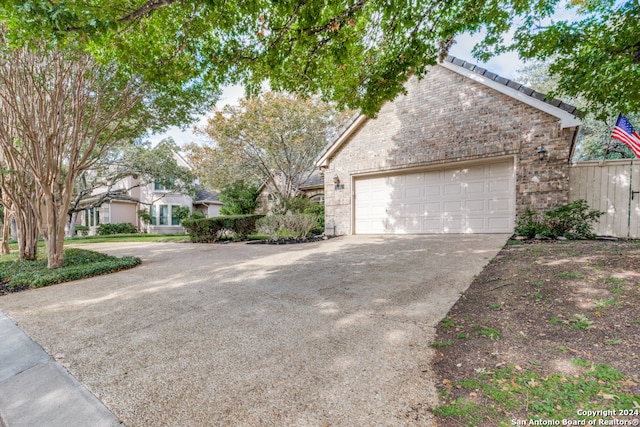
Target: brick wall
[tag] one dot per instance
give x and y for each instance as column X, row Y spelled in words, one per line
column 447, row 118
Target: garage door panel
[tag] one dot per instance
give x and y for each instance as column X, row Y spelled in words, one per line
column 432, row 190
column 452, row 190
column 475, row 187
column 500, row 205
column 472, row 206
column 498, row 185
column 503, row 168
column 474, row 199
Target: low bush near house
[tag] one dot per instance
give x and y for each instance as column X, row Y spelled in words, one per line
column 290, row 226
column 82, row 230
column 574, row 221
column 209, row 230
column 122, row 228
column 318, row 211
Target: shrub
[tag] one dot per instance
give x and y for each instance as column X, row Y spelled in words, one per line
column 573, row 221
column 78, row 264
column 239, row 198
column 280, row 227
column 207, row 230
column 122, row 228
column 318, row 211
column 83, row 230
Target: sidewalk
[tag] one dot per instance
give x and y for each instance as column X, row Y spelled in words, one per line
column 37, row 391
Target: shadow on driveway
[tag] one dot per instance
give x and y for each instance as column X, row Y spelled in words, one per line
column 327, row 333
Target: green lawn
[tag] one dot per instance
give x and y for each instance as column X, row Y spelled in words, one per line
column 137, row 237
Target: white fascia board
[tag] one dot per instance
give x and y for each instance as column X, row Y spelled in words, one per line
column 567, row 120
column 337, row 143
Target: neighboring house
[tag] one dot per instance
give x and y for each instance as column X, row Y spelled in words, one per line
column 312, row 188
column 460, row 153
column 161, row 203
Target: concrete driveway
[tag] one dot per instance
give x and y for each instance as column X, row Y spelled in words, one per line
column 333, row 333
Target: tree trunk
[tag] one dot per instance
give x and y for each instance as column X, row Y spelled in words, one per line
column 6, row 230
column 53, row 230
column 6, row 226
column 71, row 229
column 27, row 225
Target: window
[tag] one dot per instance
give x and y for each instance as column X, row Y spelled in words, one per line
column 318, row 199
column 92, row 217
column 157, row 186
column 164, row 215
column 175, row 220
column 152, row 213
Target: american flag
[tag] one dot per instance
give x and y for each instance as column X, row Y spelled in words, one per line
column 624, row 131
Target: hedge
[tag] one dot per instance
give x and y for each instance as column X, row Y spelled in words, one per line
column 122, row 228
column 208, row 230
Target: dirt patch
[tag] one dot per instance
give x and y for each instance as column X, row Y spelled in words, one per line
column 538, row 305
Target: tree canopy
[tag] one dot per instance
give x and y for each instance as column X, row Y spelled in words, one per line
column 594, row 141
column 357, row 53
column 595, row 56
column 272, row 140
column 60, row 112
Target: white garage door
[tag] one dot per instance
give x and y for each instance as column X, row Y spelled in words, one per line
column 469, row 199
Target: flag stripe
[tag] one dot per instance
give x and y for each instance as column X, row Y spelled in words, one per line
column 624, row 132
column 627, row 139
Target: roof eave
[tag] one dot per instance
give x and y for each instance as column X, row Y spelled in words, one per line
column 323, row 161
column 567, row 120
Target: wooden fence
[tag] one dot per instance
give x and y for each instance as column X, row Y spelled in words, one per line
column 612, row 186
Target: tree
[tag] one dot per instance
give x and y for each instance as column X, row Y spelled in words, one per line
column 273, row 140
column 594, row 141
column 239, row 198
column 595, row 57
column 59, row 112
column 357, row 53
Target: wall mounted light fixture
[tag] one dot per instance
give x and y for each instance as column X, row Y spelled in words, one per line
column 543, row 153
column 336, row 181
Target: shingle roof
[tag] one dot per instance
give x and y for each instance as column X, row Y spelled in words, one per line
column 207, row 196
column 314, row 180
column 512, row 84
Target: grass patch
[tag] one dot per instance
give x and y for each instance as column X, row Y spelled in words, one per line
column 570, row 275
column 78, row 264
column 506, row 392
column 492, row 333
column 448, row 322
column 137, row 237
column 441, row 344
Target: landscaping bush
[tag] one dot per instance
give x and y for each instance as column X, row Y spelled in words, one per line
column 290, row 226
column 83, row 230
column 78, row 264
column 318, row 211
column 208, row 230
column 122, row 228
column 574, row 221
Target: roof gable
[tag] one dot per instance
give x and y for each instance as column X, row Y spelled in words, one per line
column 556, row 108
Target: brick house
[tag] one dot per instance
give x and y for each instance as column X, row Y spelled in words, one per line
column 465, row 151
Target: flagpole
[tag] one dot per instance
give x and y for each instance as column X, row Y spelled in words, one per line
column 606, row 151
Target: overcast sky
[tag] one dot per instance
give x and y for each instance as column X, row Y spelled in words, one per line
column 505, row 65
